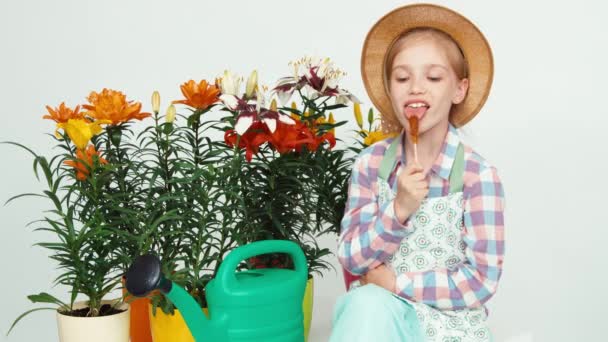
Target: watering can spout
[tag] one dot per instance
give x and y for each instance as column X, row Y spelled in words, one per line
column 145, row 275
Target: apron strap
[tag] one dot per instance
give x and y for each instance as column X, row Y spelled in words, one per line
column 457, row 173
column 389, row 160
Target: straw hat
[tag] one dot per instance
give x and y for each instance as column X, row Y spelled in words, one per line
column 475, row 48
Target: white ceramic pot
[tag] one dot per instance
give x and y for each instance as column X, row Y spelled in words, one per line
column 113, row 328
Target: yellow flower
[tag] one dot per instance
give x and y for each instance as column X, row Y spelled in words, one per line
column 170, row 116
column 112, row 105
column 155, row 102
column 358, row 115
column 332, row 121
column 81, row 131
column 375, row 136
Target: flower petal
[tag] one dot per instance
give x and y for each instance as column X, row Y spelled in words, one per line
column 286, row 119
column 271, row 124
column 243, row 122
column 229, row 101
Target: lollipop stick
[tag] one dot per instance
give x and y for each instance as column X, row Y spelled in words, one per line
column 414, row 134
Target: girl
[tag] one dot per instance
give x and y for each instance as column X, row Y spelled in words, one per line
column 423, row 225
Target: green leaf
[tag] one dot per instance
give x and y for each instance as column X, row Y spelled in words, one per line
column 44, row 297
column 25, row 314
column 336, row 106
column 167, row 127
column 23, row 195
column 20, row 145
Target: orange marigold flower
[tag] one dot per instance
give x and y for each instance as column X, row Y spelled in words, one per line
column 63, row 113
column 84, row 162
column 112, row 105
column 199, row 96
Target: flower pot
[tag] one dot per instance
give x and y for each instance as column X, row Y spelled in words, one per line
column 140, row 322
column 307, row 306
column 113, row 328
column 169, row 328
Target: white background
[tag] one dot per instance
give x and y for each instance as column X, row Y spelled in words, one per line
column 543, row 127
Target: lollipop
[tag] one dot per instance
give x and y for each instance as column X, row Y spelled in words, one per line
column 414, row 112
column 414, row 134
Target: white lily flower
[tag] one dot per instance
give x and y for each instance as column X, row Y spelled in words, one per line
column 284, row 96
column 271, row 124
column 230, row 83
column 286, row 119
column 323, row 67
column 344, row 97
column 230, row 101
column 311, row 93
column 243, row 122
column 261, row 97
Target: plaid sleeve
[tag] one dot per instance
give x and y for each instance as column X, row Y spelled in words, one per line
column 370, row 233
column 474, row 281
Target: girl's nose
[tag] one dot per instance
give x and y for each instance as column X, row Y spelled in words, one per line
column 416, row 86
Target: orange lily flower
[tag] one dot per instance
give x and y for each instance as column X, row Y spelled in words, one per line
column 199, row 96
column 84, row 162
column 254, row 137
column 63, row 113
column 113, row 106
column 288, row 137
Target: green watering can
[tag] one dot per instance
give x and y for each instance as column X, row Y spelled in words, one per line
column 253, row 305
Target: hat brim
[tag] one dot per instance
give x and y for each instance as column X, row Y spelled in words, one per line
column 390, row 27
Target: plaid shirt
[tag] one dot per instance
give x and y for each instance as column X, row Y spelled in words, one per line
column 371, row 233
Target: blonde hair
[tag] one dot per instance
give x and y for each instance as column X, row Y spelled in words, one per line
column 456, row 58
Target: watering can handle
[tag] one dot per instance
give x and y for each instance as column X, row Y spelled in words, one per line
column 226, row 273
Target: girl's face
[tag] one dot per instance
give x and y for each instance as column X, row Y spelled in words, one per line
column 421, row 72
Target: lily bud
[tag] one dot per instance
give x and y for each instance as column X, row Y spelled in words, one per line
column 331, row 121
column 370, row 116
column 273, row 105
column 358, row 115
column 251, row 84
column 230, row 83
column 170, row 116
column 155, row 101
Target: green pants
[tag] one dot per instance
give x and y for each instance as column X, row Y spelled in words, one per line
column 371, row 313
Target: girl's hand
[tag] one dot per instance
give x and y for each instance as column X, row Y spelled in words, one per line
column 382, row 276
column 412, row 188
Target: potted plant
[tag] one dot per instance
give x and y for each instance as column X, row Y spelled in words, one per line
column 88, row 240
column 193, row 181
column 294, row 180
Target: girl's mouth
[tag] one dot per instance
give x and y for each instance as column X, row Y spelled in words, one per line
column 417, row 109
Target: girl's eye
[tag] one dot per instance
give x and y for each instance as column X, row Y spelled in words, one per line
column 402, row 79
column 435, row 79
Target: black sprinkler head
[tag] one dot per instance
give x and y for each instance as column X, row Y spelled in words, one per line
column 145, row 275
